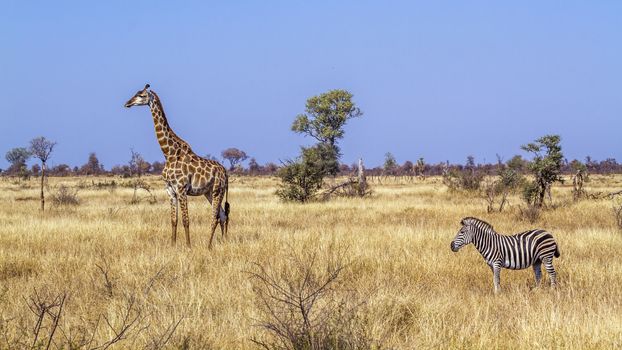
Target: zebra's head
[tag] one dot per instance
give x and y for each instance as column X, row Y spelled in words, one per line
column 464, row 236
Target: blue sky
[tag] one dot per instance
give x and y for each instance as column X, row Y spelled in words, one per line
column 435, row 79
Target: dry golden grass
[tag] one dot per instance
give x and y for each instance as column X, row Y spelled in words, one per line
column 418, row 293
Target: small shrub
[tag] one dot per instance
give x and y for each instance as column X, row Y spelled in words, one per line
column 467, row 178
column 530, row 193
column 301, row 179
column 64, row 195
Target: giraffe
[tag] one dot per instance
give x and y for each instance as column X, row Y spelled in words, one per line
column 185, row 173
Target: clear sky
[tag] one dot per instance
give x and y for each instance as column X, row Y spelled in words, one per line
column 435, row 79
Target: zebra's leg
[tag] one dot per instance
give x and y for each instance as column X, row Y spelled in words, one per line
column 537, row 271
column 548, row 266
column 496, row 271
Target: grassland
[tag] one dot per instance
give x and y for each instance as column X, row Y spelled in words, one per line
column 115, row 262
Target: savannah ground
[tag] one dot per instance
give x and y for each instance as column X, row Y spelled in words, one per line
column 115, row 262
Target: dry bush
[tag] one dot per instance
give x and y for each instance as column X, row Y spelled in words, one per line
column 45, row 307
column 98, row 185
column 304, row 306
column 530, row 213
column 64, row 195
column 140, row 184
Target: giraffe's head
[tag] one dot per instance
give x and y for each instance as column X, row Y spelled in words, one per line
column 140, row 99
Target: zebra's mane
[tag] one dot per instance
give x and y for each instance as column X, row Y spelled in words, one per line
column 477, row 222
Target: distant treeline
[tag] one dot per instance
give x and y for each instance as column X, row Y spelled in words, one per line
column 138, row 166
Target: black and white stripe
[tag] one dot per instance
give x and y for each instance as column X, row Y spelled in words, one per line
column 519, row 251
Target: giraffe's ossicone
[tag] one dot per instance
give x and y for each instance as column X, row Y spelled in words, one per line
column 185, row 173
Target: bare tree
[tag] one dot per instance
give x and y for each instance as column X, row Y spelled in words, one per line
column 138, row 165
column 42, row 148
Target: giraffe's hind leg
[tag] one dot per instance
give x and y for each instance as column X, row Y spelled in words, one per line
column 223, row 220
column 216, row 203
column 548, row 266
column 537, row 271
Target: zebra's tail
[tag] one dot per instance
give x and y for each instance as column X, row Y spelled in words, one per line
column 556, row 254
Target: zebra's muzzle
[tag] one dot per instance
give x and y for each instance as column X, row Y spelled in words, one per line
column 453, row 248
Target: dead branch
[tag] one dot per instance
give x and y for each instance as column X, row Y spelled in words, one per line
column 601, row 195
column 108, row 284
column 166, row 336
column 132, row 316
column 42, row 306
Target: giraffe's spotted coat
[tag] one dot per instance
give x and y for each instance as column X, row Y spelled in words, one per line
column 185, row 173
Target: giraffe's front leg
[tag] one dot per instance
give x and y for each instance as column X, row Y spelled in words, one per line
column 173, row 197
column 183, row 203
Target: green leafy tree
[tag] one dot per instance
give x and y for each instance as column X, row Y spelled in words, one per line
column 41, row 148
column 390, row 164
column 324, row 120
column 546, row 167
column 18, row 157
column 325, row 117
column 517, row 163
column 92, row 166
column 470, row 177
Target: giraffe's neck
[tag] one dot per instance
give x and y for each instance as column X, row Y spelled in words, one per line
column 169, row 142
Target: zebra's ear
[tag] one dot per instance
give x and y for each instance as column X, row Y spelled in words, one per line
column 463, row 222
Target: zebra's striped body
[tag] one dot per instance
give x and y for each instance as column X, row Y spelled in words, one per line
column 519, row 251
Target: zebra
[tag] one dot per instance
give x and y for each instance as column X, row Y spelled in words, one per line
column 519, row 251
